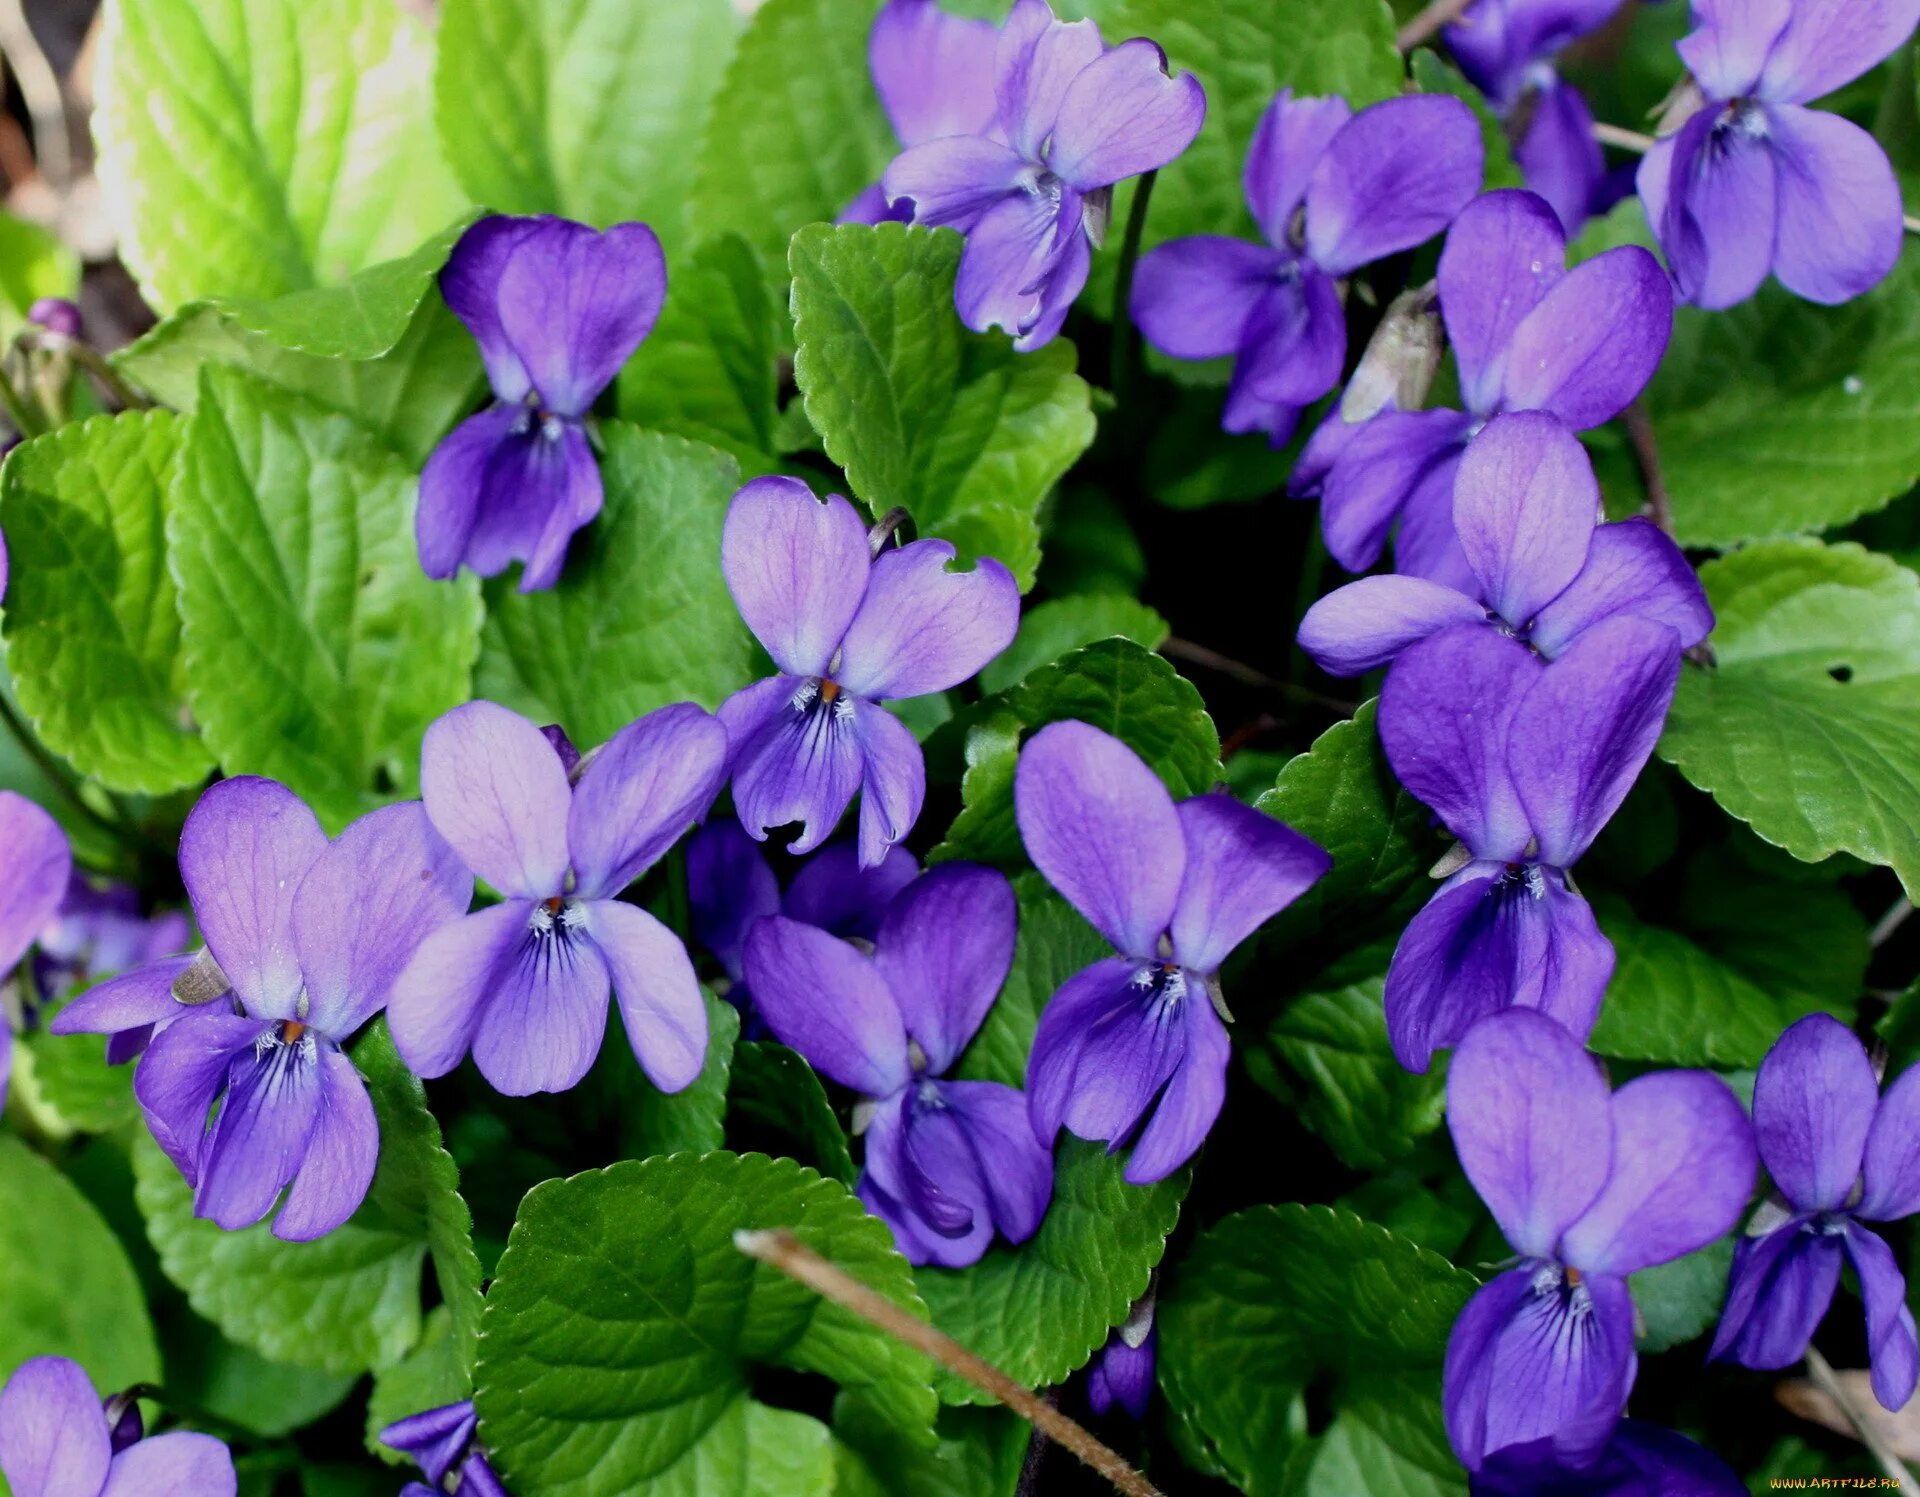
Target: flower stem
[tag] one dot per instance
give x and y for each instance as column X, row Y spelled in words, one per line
column 89, row 359
column 1426, row 25
column 1126, row 337
column 783, row 1251
column 1186, row 650
column 57, row 774
column 1821, row 1371
column 18, row 412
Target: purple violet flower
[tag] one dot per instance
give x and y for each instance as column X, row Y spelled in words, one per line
column 1033, row 193
column 847, row 630
column 934, row 74
column 556, row 309
column 58, row 1440
column 441, row 1443
column 1528, row 335
column 38, row 866
column 524, row 984
column 1754, row 183
column 1524, row 762
column 101, row 931
column 1840, row 1155
column 1133, row 1048
column 1587, row 1188
column 1524, row 509
column 57, row 315
column 254, row 1094
column 1640, row 1460
column 947, row 1162
column 1121, row 1374
column 1331, row 191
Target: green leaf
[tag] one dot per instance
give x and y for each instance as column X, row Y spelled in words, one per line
column 642, row 616
column 1675, row 1302
column 655, row 1122
column 1039, row 1311
column 1779, row 416
column 70, row 1290
column 431, row 1376
column 1360, row 1453
column 212, row 1375
column 317, row 651
column 1116, row 686
column 591, row 109
column 964, row 433
column 92, row 638
column 1432, row 76
column 624, row 1330
column 409, row 396
column 69, row 1075
column 1327, row 1055
column 255, row 148
column 1048, row 630
column 33, row 264
column 980, row 1454
column 1805, row 728
column 775, row 1091
column 1276, row 1300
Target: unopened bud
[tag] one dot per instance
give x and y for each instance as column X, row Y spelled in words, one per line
column 563, row 746
column 57, row 315
column 1401, row 360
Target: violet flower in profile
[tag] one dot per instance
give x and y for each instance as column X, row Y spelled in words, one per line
column 933, row 72
column 57, row 1439
column 524, row 984
column 1587, row 1188
column 556, row 309
column 1331, row 191
column 1121, row 1374
column 1640, row 1460
column 1133, row 1048
column 1524, row 762
column 441, row 1443
column 1033, row 192
column 1754, row 183
column 847, row 630
column 32, row 883
column 1528, row 334
column 1525, row 505
column 1840, row 1155
column 253, row 1094
column 948, row 1163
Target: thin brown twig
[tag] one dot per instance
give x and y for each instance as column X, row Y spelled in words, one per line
column 1175, row 648
column 785, row 1252
column 1426, row 25
column 1646, row 456
column 1821, row 1371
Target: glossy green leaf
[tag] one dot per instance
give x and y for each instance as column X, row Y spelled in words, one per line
column 33, row 264
column 775, row 1092
column 1049, row 630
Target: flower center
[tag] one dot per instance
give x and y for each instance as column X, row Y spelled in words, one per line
column 1517, row 878
column 1162, row 987
column 825, row 692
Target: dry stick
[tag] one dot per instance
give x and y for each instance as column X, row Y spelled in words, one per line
column 1821, row 1371
column 784, row 1252
column 1175, row 648
column 1890, row 922
column 1647, row 456
column 1425, row 26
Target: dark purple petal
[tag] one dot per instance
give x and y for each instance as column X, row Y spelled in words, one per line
column 1445, row 716
column 338, row 1166
column 1098, row 1058
column 497, row 792
column 454, row 482
column 435, row 1439
column 1123, row 1375
column 39, row 865
column 1530, row 1118
column 1380, row 467
column 260, row 1138
column 244, row 850
column 893, row 783
column 1192, row 297
column 1561, row 159
column 1360, row 627
column 932, row 70
column 1779, row 1289
column 923, row 627
column 1034, row 65
column 1828, row 43
column 1505, row 252
column 544, row 1015
column 1683, row 1163
column 1579, row 739
column 827, row 1000
column 925, row 1176
column 641, row 793
column 729, row 888
column 478, row 1478
column 1633, row 570
column 797, row 570
column 1496, row 41
column 559, row 469
column 132, row 1001
column 53, row 1437
column 1813, row 1106
column 1890, row 1173
column 1242, row 869
column 1123, row 115
column 1524, row 506
column 1839, row 229
column 434, row 1007
column 471, row 285
column 1712, row 198
column 835, row 893
column 1891, row 1340
column 1102, row 828
column 1640, row 1460
column 1394, row 176
column 1294, row 342
column 870, row 205
column 1016, row 1170
column 1287, row 145
column 952, row 181
column 944, row 949
column 1728, row 47
column 182, row 1073
column 1187, row 1109
column 1245, row 412
column 1467, row 1377
column 1425, row 545
column 1061, row 281
column 801, row 762
column 1594, row 340
column 654, row 983
column 179, row 1463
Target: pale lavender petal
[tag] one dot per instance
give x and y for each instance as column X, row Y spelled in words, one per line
column 262, row 1133
column 1287, row 145
column 827, row 1000
column 944, row 950
column 835, row 893
column 1378, row 470
column 1890, row 1329
column 1191, row 1102
column 179, row 1463
column 954, row 180
column 566, row 475
column 893, row 780
column 1594, row 340
column 1559, row 156
column 1192, row 297
column 434, row 1007
column 932, row 70
column 1505, row 252
column 1294, row 342
column 453, row 484
column 1360, row 627
column 1839, row 231
column 53, row 1436
column 641, row 793
column 1524, row 505
column 1242, row 868
column 1445, row 716
column 364, row 906
column 797, row 570
column 1060, row 282
column 1017, row 1171
column 540, row 1026
column 1890, row 1172
column 1035, row 63
column 182, row 1073
column 1633, row 570
column 1102, row 828
column 1123, row 115
column 470, row 282
column 1813, row 1107
column 39, row 865
column 1828, row 43
column 244, row 850
column 1103, row 1052
column 655, row 986
column 1586, row 728
column 729, row 888
column 1009, row 259
column 1529, row 1113
column 923, row 627
column 337, row 1170
column 131, row 1001
column 1728, row 48
column 1779, row 1289
column 1683, row 1164
column 1394, row 176
column 801, row 761
column 1712, row 198
column 497, row 792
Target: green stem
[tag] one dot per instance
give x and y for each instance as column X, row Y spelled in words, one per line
column 23, row 419
column 89, row 359
column 57, row 774
column 1126, row 337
